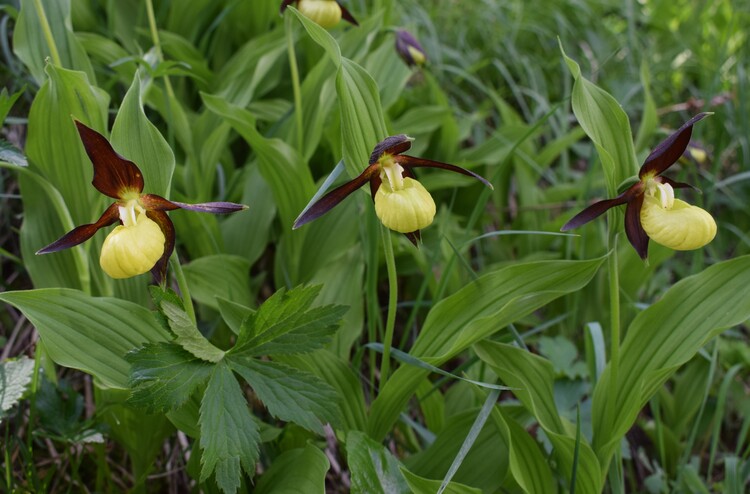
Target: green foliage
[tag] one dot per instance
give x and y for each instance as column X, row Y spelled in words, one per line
column 227, row 370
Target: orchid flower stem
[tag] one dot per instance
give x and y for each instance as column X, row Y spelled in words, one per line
column 390, row 323
column 295, row 81
column 48, row 33
column 182, row 284
column 614, row 358
column 157, row 43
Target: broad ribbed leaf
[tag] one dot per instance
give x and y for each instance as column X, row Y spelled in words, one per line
column 664, row 337
column 218, row 276
column 164, row 376
column 229, row 435
column 290, row 394
column 532, row 378
column 15, row 375
column 374, row 470
column 55, row 152
column 606, row 124
column 88, row 333
column 31, row 45
column 421, row 485
column 136, row 138
column 297, row 470
column 478, row 310
column 528, row 466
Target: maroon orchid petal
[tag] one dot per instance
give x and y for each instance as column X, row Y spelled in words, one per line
column 375, row 183
column 390, row 145
column 635, row 232
column 114, row 176
column 159, row 271
column 346, row 15
column 284, row 5
column 82, row 233
column 328, row 201
column 670, row 149
column 597, row 209
column 421, row 162
column 153, row 202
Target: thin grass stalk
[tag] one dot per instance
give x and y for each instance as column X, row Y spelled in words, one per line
column 48, row 37
column 390, row 323
column 296, row 88
column 157, row 43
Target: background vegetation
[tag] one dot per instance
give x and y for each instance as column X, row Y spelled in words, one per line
column 201, row 95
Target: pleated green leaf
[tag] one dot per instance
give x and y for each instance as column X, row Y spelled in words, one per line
column 374, row 470
column 136, row 138
column 478, row 310
column 219, row 276
column 35, row 31
column 532, row 378
column 296, row 470
column 606, row 124
column 528, row 466
column 664, row 337
column 421, row 485
column 88, row 333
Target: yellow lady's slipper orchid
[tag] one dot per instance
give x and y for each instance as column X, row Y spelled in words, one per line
column 401, row 202
column 325, row 13
column 145, row 239
column 652, row 210
column 409, row 49
column 132, row 248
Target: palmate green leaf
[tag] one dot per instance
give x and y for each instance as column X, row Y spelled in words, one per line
column 15, row 375
column 31, row 44
column 233, row 314
column 290, row 394
column 661, row 339
column 606, row 124
column 532, row 378
column 219, row 275
column 294, row 471
column 337, row 373
column 229, row 435
column 478, row 310
column 374, row 470
column 92, row 334
column 188, row 335
column 285, row 323
column 163, row 376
